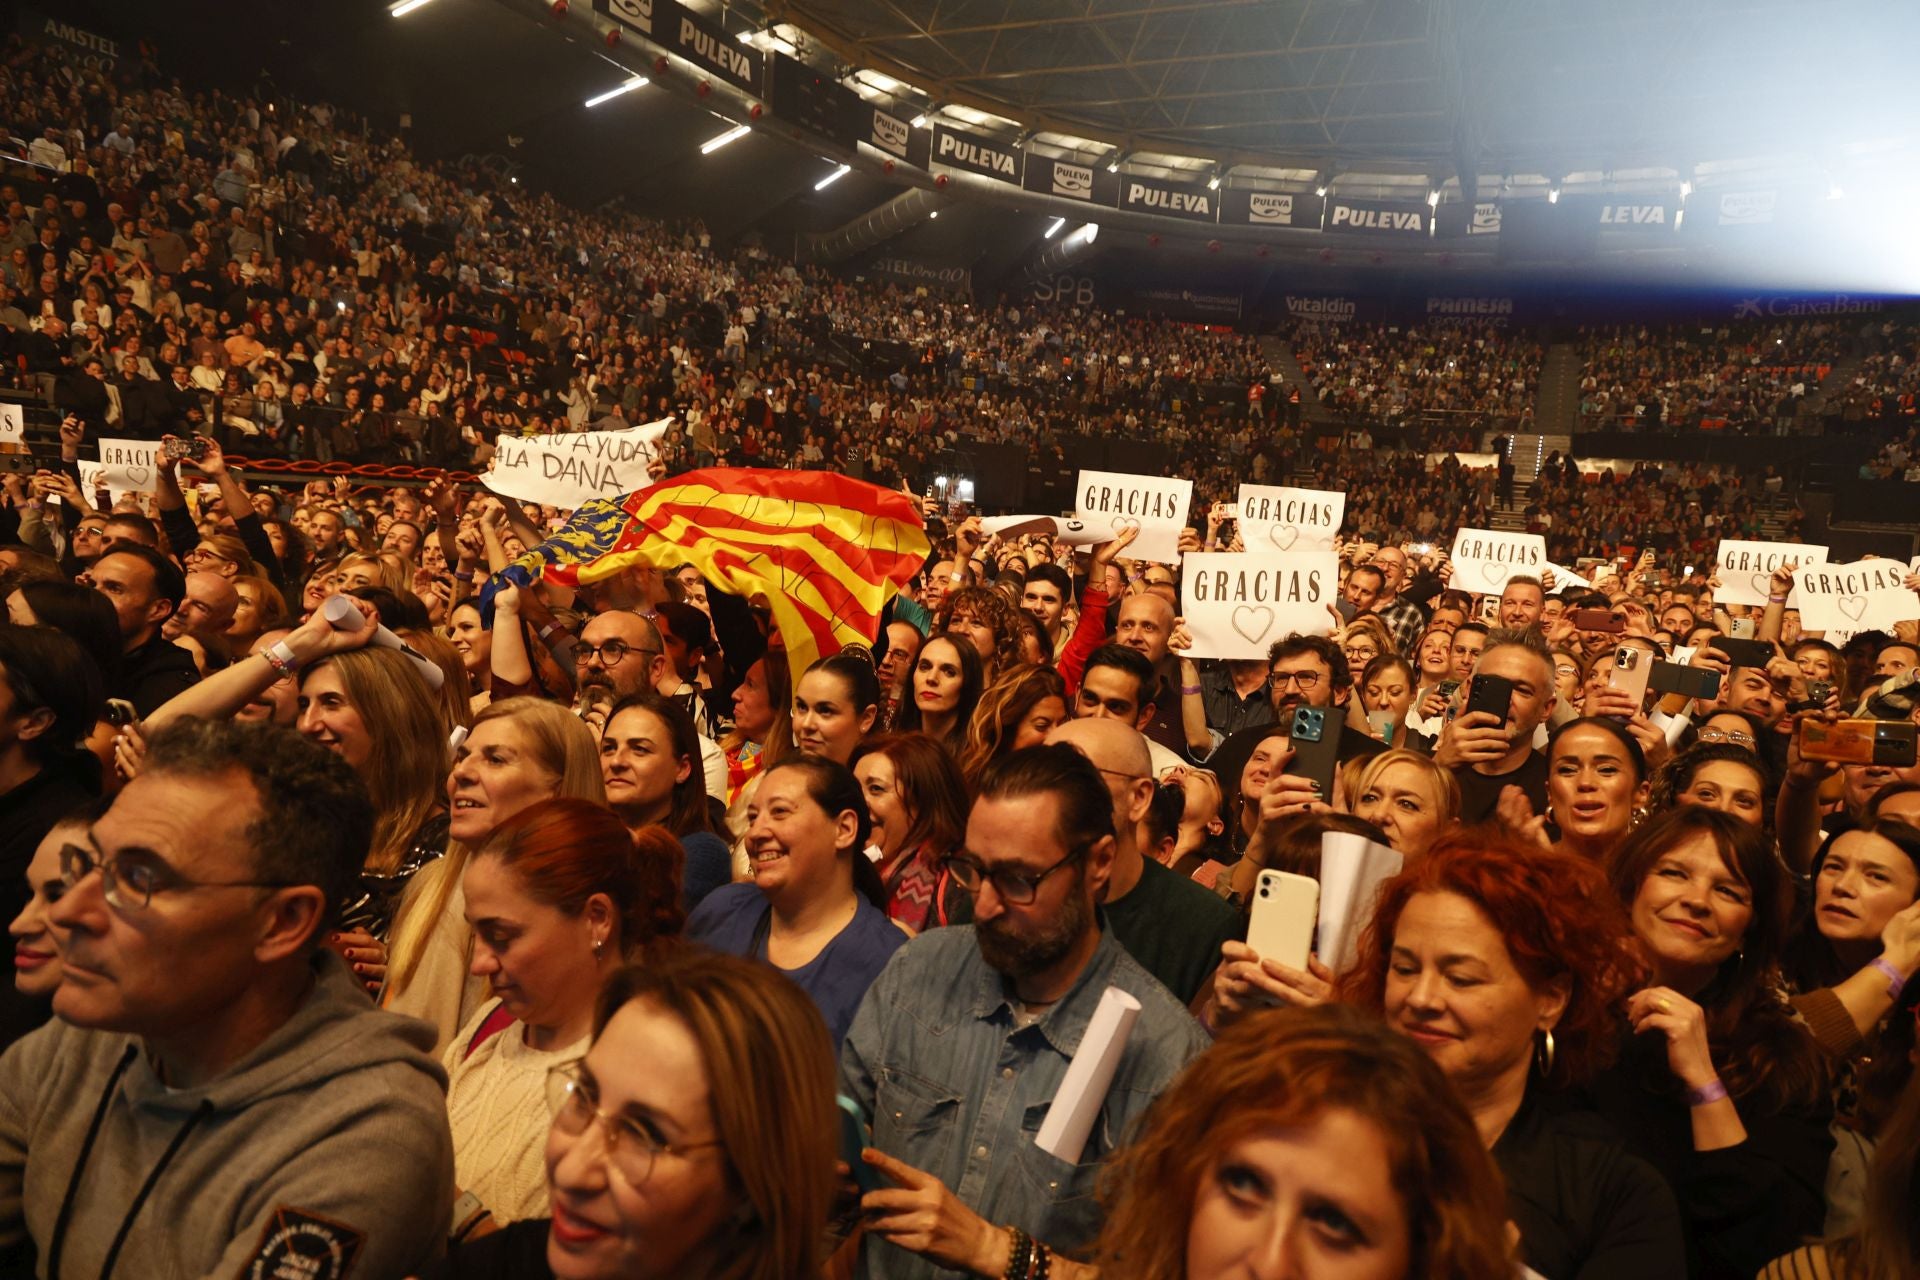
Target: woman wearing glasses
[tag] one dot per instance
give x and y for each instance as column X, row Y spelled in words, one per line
column 558, row 899
column 816, row 908
column 657, row 1164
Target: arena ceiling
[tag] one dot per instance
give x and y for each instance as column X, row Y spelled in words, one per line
column 1429, row 85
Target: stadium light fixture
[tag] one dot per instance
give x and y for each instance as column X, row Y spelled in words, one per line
column 833, row 177
column 933, row 213
column 1433, row 199
column 1320, row 191
column 1089, row 233
column 925, row 119
column 1553, row 195
column 406, row 7
column 627, row 86
column 734, row 134
column 1053, row 228
column 1686, row 189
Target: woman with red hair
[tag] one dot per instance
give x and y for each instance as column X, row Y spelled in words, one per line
column 1314, row 1135
column 1506, row 963
column 560, row 896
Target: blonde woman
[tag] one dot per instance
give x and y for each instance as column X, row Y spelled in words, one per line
column 519, row 750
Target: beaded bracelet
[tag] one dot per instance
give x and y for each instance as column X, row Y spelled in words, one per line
column 1896, row 980
column 1019, row 1255
column 1706, row 1093
column 281, row 658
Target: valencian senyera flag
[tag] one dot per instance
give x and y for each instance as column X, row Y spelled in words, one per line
column 826, row 551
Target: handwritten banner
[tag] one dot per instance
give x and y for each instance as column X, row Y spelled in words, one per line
column 1746, row 569
column 1155, row 505
column 129, row 466
column 1237, row 604
column 1483, row 559
column 1862, row 596
column 566, row 470
column 1278, row 518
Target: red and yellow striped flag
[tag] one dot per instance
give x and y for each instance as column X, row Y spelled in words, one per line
column 826, row 551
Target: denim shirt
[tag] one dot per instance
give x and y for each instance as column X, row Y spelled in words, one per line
column 955, row 1088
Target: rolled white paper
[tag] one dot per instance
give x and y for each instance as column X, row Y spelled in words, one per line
column 1352, row 868
column 1070, row 1117
column 342, row 616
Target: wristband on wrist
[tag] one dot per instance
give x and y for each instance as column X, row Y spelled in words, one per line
column 1706, row 1093
column 281, row 658
column 1189, row 688
column 1773, row 599
column 1896, row 980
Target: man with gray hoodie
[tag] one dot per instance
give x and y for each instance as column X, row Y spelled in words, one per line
column 217, row 1097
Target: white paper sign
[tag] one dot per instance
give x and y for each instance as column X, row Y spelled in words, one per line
column 1564, row 577
column 1157, row 506
column 1237, row 603
column 1746, row 569
column 1352, row 869
column 1277, row 518
column 566, row 470
column 1861, row 596
column 131, row 466
column 1074, row 533
column 13, row 424
column 1083, row 1090
column 1483, row 559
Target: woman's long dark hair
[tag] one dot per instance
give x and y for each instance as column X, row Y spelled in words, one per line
column 1757, row 1046
column 688, row 812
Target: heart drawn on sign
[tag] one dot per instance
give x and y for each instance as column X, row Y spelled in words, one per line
column 1123, row 523
column 1854, row 607
column 138, row 476
column 1284, row 536
column 1493, row 573
column 1762, row 584
column 1253, row 621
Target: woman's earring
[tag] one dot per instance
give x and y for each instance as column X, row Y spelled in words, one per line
column 1543, row 1053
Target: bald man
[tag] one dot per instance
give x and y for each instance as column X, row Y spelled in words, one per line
column 199, row 625
column 1146, row 625
column 1171, row 925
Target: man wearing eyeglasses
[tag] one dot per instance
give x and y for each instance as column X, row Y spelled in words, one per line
column 962, row 1042
column 1302, row 671
column 217, row 1097
column 620, row 653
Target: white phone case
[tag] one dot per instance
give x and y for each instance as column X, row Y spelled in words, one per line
column 1286, row 907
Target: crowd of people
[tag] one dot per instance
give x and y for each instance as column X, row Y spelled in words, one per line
column 1451, row 373
column 367, row 926
column 1747, row 376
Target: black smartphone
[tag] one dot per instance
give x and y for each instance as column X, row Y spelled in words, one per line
column 1677, row 677
column 1315, row 739
column 1743, row 653
column 1596, row 620
column 1492, row 694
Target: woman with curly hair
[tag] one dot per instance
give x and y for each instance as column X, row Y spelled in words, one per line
column 1016, row 710
column 1721, row 1088
column 1310, row 1134
column 987, row 618
column 1715, row 775
column 1507, row 963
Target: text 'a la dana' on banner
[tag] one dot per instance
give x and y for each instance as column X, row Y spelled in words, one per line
column 1155, row 505
column 1238, row 603
column 1483, row 559
column 129, row 466
column 1746, row 568
column 567, row 469
column 1866, row 595
column 1277, row 518
column 1075, row 533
